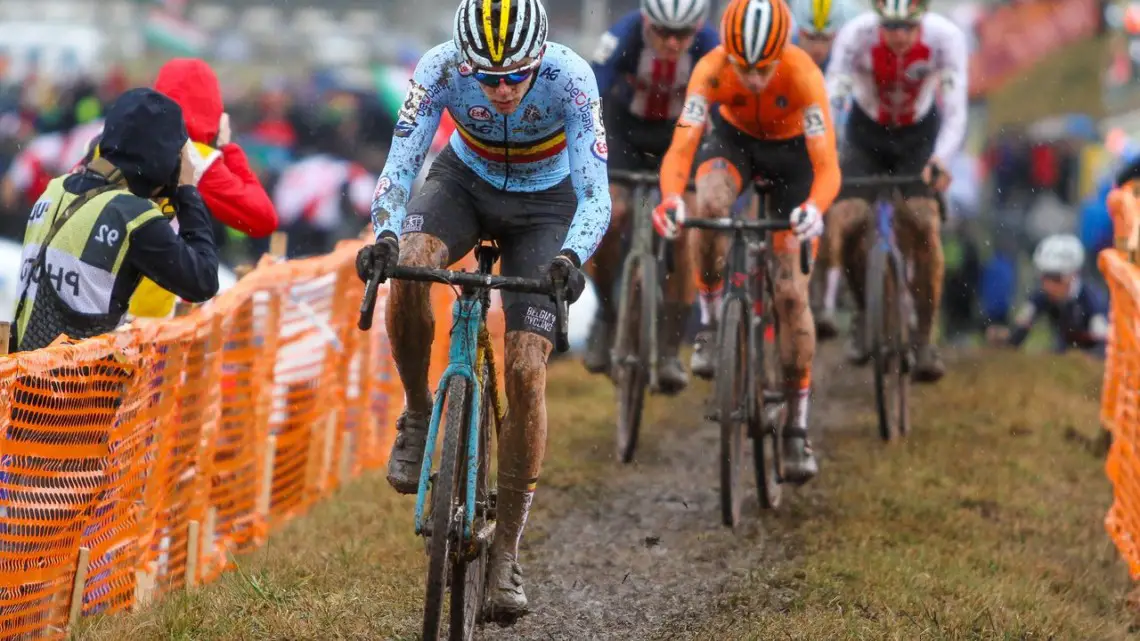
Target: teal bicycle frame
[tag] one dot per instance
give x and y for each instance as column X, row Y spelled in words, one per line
column 468, row 317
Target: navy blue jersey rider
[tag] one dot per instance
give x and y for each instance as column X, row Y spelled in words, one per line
column 643, row 65
column 1076, row 309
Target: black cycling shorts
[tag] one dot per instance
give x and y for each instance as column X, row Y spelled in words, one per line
column 872, row 149
column 783, row 163
column 635, row 144
column 458, row 207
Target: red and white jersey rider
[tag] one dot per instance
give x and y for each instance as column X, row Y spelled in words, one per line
column 897, row 86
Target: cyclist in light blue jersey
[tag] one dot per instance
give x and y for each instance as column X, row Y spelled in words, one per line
column 525, row 166
column 817, row 22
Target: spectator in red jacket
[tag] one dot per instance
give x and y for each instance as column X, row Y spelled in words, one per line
column 232, row 192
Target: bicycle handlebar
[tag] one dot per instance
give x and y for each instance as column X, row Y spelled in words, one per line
column 647, row 178
column 471, row 279
column 636, row 177
column 758, row 226
column 883, row 181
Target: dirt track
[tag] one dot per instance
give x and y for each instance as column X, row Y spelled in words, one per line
column 645, row 556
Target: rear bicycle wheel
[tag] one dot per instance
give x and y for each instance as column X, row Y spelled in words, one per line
column 631, row 356
column 888, row 322
column 469, row 572
column 731, row 404
column 445, row 507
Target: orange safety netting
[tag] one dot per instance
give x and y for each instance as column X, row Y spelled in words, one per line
column 1120, row 400
column 219, row 425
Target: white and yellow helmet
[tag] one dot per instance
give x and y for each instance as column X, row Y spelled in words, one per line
column 493, row 34
column 824, row 17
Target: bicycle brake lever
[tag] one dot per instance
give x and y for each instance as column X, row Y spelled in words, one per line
column 806, row 258
column 562, row 320
column 368, row 304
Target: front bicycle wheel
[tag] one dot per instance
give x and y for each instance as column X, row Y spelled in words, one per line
column 731, row 405
column 469, row 572
column 631, row 356
column 888, row 323
column 446, row 507
column 767, row 422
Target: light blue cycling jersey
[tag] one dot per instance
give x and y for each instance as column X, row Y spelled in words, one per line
column 556, row 132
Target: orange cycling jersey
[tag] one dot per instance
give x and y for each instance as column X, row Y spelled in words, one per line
column 793, row 104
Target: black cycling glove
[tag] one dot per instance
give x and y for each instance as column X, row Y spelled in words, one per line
column 378, row 257
column 565, row 273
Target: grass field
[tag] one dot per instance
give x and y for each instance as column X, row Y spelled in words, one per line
column 986, row 525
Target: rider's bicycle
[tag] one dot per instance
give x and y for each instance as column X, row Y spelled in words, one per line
column 634, row 354
column 461, row 523
column 889, row 309
column 748, row 397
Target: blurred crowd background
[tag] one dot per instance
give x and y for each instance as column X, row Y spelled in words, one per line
column 313, row 87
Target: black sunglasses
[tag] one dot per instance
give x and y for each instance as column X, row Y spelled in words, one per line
column 898, row 25
column 665, row 33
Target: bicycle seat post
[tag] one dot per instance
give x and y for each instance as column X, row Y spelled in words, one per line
column 486, row 253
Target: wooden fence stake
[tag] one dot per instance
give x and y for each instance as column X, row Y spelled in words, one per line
column 346, row 451
column 5, row 336
column 78, row 585
column 278, row 244
column 263, row 500
column 144, row 589
column 193, row 551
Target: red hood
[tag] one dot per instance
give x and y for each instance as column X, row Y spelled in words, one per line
column 192, row 84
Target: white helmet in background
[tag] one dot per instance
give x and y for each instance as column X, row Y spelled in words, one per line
column 1059, row 254
column 824, row 17
column 675, row 14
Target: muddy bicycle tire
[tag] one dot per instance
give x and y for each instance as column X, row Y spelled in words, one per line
column 469, row 575
column 444, row 495
column 888, row 324
column 631, row 367
column 731, row 404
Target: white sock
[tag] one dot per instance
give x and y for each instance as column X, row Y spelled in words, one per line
column 799, row 409
column 832, row 291
column 710, row 305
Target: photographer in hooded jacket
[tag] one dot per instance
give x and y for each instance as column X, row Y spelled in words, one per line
column 95, row 233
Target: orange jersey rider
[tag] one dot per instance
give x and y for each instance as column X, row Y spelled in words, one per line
column 757, row 107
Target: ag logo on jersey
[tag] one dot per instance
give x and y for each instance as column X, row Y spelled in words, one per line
column 814, row 124
column 696, row 110
column 479, row 112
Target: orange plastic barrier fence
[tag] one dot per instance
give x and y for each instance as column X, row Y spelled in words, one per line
column 1120, row 400
column 136, row 463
